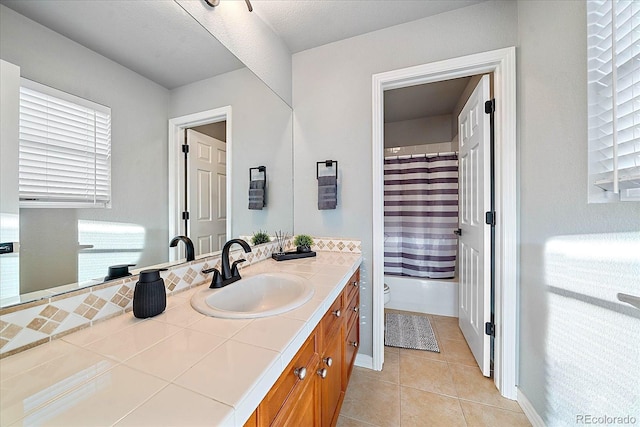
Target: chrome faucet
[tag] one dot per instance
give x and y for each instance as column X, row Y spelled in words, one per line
column 191, row 255
column 229, row 273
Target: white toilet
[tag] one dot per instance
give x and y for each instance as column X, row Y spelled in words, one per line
column 387, row 294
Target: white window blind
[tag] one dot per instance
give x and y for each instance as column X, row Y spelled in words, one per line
column 614, row 99
column 65, row 149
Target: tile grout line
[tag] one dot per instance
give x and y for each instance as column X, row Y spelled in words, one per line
column 141, row 403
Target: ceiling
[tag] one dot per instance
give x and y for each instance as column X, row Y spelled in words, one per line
column 141, row 34
column 305, row 24
column 414, row 102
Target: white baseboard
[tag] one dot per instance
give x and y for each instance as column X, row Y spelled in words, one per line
column 364, row 361
column 534, row 418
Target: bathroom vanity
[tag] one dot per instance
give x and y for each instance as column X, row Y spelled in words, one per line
column 310, row 390
column 185, row 368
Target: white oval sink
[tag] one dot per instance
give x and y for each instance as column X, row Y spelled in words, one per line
column 261, row 295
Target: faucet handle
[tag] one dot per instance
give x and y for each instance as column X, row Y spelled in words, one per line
column 216, row 281
column 234, row 267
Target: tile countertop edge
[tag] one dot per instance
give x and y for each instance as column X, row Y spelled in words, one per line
column 253, row 398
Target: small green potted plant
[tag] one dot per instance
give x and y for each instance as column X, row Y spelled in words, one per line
column 260, row 237
column 303, row 243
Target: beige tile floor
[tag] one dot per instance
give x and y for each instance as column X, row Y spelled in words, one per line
column 423, row 388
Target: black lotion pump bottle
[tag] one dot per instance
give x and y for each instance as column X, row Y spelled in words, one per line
column 149, row 296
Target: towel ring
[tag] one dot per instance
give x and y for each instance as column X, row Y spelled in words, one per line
column 262, row 169
column 328, row 164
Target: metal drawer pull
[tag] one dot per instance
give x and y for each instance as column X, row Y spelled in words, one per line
column 301, row 373
column 337, row 313
column 355, row 283
column 328, row 361
column 356, row 309
column 630, row 299
column 322, row 372
column 354, row 344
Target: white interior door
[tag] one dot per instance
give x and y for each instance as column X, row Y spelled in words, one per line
column 475, row 240
column 207, row 192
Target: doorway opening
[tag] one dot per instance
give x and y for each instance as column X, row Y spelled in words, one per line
column 200, row 179
column 426, row 218
column 502, row 64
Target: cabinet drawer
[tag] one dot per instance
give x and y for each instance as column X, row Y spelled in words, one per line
column 353, row 310
column 290, row 384
column 331, row 321
column 353, row 285
column 351, row 345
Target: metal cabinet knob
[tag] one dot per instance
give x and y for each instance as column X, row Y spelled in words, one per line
column 301, row 373
column 328, row 361
column 355, row 283
column 322, row 373
column 354, row 344
column 337, row 313
column 356, row 309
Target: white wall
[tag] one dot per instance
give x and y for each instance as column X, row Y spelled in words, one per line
column 561, row 332
column 9, row 134
column 9, row 207
column 261, row 135
column 424, row 130
column 332, row 115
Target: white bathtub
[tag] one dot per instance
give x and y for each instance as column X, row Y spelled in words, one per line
column 430, row 296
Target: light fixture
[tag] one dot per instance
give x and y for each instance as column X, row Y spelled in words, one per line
column 214, row 3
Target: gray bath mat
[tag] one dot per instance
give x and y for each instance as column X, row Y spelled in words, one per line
column 409, row 331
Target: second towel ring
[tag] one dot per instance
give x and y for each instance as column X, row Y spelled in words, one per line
column 328, row 164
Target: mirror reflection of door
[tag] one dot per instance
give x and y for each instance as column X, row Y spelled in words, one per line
column 207, row 198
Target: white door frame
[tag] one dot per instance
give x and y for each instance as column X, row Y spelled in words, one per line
column 502, row 63
column 177, row 126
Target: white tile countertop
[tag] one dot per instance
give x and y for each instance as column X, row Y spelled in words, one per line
column 178, row 368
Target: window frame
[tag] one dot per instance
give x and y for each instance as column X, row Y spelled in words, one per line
column 613, row 67
column 94, row 174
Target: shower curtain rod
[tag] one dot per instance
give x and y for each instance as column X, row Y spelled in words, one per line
column 416, row 156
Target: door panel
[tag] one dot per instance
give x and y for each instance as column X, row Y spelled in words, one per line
column 475, row 241
column 208, row 192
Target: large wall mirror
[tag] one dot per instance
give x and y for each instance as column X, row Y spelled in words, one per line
column 152, row 64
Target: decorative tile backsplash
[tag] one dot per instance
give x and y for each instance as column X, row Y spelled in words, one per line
column 27, row 325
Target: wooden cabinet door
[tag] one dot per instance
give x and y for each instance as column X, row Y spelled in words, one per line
column 331, row 391
column 352, row 341
column 306, row 410
column 283, row 401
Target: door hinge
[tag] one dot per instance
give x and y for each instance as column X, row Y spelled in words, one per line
column 490, row 329
column 490, row 218
column 185, row 215
column 490, row 106
column 185, row 148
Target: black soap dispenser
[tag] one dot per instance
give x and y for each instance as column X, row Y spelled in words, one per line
column 149, row 296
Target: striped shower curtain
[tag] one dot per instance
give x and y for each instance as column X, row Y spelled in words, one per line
column 420, row 216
